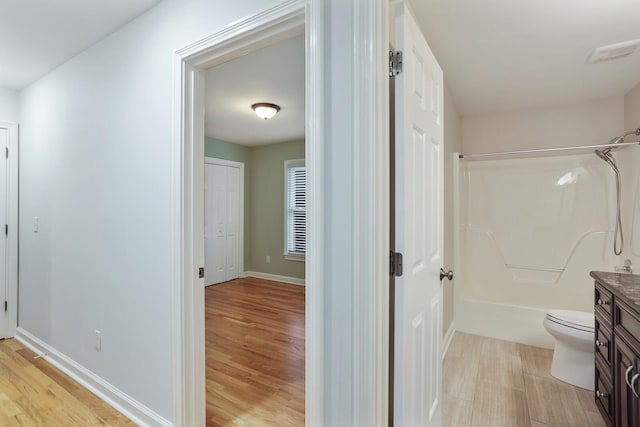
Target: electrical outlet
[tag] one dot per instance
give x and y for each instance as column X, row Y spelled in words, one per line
column 98, row 340
column 268, row 259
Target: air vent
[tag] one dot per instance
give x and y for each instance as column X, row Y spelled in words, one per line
column 613, row 51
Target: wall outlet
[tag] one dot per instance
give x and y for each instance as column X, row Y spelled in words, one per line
column 268, row 259
column 98, row 340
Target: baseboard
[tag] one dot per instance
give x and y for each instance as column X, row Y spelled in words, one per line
column 448, row 337
column 121, row 402
column 274, row 277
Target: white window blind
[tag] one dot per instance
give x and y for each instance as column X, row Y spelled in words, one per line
column 296, row 212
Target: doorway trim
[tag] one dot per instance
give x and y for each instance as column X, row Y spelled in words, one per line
column 241, row 195
column 285, row 20
column 12, row 229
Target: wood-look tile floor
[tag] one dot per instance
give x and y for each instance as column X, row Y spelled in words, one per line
column 255, row 353
column 34, row 393
column 489, row 382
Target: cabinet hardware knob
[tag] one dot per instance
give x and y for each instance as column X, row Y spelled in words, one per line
column 600, row 395
column 600, row 343
column 446, row 274
column 602, row 302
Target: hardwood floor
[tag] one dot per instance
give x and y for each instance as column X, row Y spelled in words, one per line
column 255, row 353
column 34, row 393
column 489, row 382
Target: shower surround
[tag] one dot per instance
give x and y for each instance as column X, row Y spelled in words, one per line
column 530, row 231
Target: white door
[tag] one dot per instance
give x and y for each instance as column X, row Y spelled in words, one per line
column 222, row 223
column 4, row 144
column 418, row 228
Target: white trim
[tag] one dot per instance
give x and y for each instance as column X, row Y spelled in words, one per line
column 12, row 236
column 297, row 258
column 119, row 400
column 448, row 337
column 274, row 277
column 278, row 23
column 371, row 207
column 238, row 165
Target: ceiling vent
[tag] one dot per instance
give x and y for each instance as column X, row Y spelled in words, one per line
column 613, row 51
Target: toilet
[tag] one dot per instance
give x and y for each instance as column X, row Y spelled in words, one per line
column 573, row 357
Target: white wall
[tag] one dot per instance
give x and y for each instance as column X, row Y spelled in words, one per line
column 452, row 143
column 8, row 105
column 594, row 122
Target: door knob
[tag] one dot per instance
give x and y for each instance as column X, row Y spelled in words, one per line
column 447, row 274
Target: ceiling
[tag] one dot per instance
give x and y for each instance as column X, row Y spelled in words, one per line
column 36, row 36
column 274, row 74
column 503, row 55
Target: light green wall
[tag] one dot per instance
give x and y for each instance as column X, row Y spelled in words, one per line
column 264, row 202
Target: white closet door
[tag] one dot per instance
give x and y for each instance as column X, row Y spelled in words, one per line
column 222, row 228
column 4, row 143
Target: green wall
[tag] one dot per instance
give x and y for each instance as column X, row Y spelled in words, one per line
column 263, row 201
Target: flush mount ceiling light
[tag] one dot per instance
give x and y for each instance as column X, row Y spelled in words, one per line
column 264, row 110
column 613, row 51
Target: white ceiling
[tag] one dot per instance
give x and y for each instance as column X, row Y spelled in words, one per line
column 274, row 74
column 501, row 55
column 38, row 35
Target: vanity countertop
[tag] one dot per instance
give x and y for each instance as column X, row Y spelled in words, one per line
column 623, row 285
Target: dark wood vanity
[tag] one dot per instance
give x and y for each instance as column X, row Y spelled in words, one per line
column 617, row 347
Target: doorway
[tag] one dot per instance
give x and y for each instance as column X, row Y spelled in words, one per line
column 279, row 23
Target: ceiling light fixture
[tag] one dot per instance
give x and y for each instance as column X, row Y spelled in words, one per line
column 265, row 110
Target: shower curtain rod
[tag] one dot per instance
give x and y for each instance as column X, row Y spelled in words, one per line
column 547, row 150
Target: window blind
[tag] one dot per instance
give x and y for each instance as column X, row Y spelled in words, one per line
column 296, row 210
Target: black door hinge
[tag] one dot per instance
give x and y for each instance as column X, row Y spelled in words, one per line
column 201, row 272
column 395, row 264
column 6, row 229
column 6, row 306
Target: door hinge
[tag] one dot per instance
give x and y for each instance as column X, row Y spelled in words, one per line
column 6, row 306
column 6, row 229
column 395, row 63
column 201, row 272
column 6, row 152
column 395, row 264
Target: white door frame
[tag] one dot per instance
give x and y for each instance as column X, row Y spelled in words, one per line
column 12, row 235
column 239, row 165
column 278, row 23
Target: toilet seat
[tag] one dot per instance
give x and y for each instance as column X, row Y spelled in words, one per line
column 578, row 320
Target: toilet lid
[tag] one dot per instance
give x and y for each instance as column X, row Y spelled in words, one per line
column 573, row 319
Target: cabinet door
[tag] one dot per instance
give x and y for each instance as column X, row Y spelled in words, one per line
column 626, row 367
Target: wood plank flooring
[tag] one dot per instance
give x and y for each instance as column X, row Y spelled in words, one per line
column 34, row 393
column 489, row 382
column 255, row 353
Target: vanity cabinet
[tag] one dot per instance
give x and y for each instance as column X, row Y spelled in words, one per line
column 617, row 348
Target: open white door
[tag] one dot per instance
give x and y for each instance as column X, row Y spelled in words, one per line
column 418, row 228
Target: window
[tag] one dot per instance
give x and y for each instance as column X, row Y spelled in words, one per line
column 295, row 209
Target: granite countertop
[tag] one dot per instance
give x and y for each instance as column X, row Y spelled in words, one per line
column 623, row 285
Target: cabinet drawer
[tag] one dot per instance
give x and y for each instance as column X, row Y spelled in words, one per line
column 603, row 342
column 627, row 323
column 602, row 302
column 602, row 393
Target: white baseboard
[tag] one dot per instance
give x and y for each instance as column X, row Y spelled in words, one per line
column 448, row 337
column 274, row 277
column 129, row 407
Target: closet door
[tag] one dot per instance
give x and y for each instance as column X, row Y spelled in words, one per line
column 215, row 227
column 222, row 223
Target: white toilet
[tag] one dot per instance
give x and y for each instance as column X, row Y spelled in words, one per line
column 573, row 357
